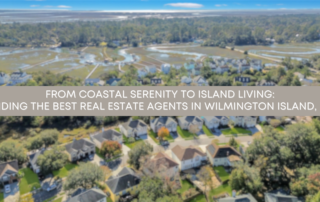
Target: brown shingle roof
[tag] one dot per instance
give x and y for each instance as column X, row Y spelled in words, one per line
column 11, row 165
column 187, row 153
column 221, row 151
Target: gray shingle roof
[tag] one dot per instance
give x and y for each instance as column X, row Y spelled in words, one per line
column 125, row 179
column 163, row 120
column 4, row 166
column 190, row 119
column 34, row 157
column 79, row 145
column 91, row 195
column 240, row 198
column 279, row 197
column 107, row 135
column 134, row 124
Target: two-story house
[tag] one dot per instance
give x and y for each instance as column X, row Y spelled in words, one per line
column 256, row 64
column 80, row 149
column 134, row 128
column 33, row 157
column 213, row 122
column 186, row 80
column 156, row 80
column 142, row 72
column 151, row 69
column 188, row 157
column 19, row 77
column 122, row 184
column 4, row 78
column 91, row 195
column 200, row 81
column 186, row 121
column 163, row 121
column 222, row 155
column 161, row 164
column 92, row 82
column 113, row 81
column 244, row 121
column 106, row 135
column 9, row 172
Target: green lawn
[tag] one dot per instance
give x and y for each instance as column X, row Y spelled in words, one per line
column 186, row 185
column 29, row 181
column 222, row 173
column 280, row 128
column 58, row 200
column 207, row 131
column 235, row 131
column 221, row 189
column 1, row 197
column 185, row 134
column 199, row 198
column 130, row 145
column 63, row 172
column 98, row 153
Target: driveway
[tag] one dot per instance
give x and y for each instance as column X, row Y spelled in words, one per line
column 42, row 195
column 14, row 195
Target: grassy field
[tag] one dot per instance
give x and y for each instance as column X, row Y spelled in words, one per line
column 235, row 131
column 130, row 145
column 63, row 172
column 29, row 181
column 207, row 131
column 186, row 185
column 199, row 198
column 184, row 134
column 222, row 173
column 221, row 189
column 1, row 197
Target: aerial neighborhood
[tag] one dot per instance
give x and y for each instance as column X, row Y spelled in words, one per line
column 199, row 158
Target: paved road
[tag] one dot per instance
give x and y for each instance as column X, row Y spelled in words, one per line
column 94, row 69
column 44, row 195
column 14, row 195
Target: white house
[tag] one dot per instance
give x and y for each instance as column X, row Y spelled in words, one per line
column 106, row 135
column 188, row 157
column 4, row 78
column 215, row 121
column 80, row 149
column 134, row 128
column 222, row 155
column 186, row 121
column 33, row 157
column 244, row 121
column 163, row 121
column 256, row 64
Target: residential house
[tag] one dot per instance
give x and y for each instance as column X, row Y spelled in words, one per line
column 277, row 197
column 9, row 172
column 91, row 195
column 113, row 81
column 240, row 198
column 161, row 164
column 263, row 82
column 200, row 81
column 222, row 69
column 49, row 184
column 106, row 135
column 196, row 71
column 222, row 155
column 139, row 80
column 186, row 121
column 188, row 157
column 122, row 184
column 4, row 78
column 91, row 82
column 142, row 72
column 190, row 65
column 165, row 68
column 177, row 66
column 256, row 64
column 243, row 67
column 156, row 80
column 268, row 118
column 79, row 149
column 151, row 69
column 134, row 128
column 19, row 77
column 243, row 79
column 213, row 122
column 244, row 121
column 33, row 157
column 298, row 74
column 163, row 121
column 186, row 80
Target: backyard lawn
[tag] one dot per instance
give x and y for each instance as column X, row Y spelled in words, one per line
column 29, row 181
column 221, row 189
column 199, row 198
column 222, row 173
column 207, row 131
column 63, row 172
column 58, row 199
column 185, row 134
column 186, row 185
column 130, row 145
column 235, row 131
column 1, row 197
column 98, row 153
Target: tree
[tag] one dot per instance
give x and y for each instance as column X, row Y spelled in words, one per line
column 163, row 132
column 87, row 175
column 193, row 128
column 11, row 151
column 140, row 150
column 110, row 149
column 52, row 159
column 205, row 176
column 49, row 137
column 246, row 179
column 275, row 123
column 233, row 143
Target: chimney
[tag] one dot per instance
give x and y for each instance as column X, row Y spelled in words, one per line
column 234, row 193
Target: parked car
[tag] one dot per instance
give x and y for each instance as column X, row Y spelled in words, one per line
column 165, row 143
column 7, row 188
column 91, row 157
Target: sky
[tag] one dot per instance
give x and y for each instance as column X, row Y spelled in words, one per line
column 110, row 5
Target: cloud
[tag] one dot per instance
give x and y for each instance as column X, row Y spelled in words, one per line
column 33, row 6
column 220, row 5
column 63, row 6
column 258, row 4
column 279, row 4
column 185, row 5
